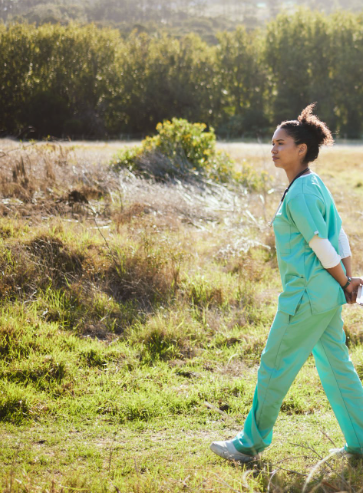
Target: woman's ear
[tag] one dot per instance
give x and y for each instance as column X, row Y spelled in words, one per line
column 303, row 149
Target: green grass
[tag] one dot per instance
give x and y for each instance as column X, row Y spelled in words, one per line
column 121, row 362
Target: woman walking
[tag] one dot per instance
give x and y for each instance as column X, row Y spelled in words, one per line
column 316, row 283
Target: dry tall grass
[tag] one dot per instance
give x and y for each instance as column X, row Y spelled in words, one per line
column 141, row 308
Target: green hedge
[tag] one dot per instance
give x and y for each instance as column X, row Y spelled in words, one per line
column 86, row 82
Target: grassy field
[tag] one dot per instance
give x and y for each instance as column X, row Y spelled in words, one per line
column 133, row 315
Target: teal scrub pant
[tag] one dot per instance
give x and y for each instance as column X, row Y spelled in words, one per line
column 290, row 341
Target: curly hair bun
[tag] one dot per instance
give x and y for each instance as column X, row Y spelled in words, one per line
column 309, row 130
column 318, row 128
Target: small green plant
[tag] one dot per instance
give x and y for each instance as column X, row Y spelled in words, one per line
column 165, row 337
column 94, row 358
column 201, row 293
column 14, row 404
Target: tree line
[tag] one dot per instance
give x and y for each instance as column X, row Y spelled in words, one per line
column 119, row 12
column 86, row 82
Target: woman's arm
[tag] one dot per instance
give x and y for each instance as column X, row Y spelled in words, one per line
column 347, row 261
column 338, row 273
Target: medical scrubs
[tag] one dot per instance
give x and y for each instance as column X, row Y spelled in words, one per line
column 308, row 319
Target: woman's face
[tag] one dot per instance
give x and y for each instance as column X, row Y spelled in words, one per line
column 285, row 153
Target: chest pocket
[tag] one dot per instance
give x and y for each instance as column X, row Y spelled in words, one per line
column 282, row 229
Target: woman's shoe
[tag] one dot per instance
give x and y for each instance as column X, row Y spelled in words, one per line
column 341, row 452
column 228, row 451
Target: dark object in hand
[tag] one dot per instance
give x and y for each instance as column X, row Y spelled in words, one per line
column 351, row 297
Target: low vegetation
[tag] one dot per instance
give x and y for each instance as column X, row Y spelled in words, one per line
column 132, row 317
column 183, row 150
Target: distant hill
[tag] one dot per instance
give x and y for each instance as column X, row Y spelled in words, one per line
column 177, row 17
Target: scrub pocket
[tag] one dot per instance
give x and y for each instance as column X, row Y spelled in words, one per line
column 291, row 297
column 303, row 309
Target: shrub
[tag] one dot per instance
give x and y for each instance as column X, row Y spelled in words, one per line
column 179, row 137
column 180, row 149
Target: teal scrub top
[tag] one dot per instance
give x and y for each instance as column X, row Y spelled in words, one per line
column 308, row 210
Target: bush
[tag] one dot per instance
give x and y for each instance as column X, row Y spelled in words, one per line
column 180, row 150
column 181, row 138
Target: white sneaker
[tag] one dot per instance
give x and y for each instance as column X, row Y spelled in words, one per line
column 228, row 451
column 341, row 452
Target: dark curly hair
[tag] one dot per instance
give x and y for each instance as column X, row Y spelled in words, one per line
column 309, row 130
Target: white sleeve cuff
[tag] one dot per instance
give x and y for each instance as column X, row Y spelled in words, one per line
column 325, row 252
column 344, row 248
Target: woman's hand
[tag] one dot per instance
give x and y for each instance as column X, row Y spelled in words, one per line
column 351, row 291
column 340, row 276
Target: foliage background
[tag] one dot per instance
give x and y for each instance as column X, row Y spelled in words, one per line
column 83, row 81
